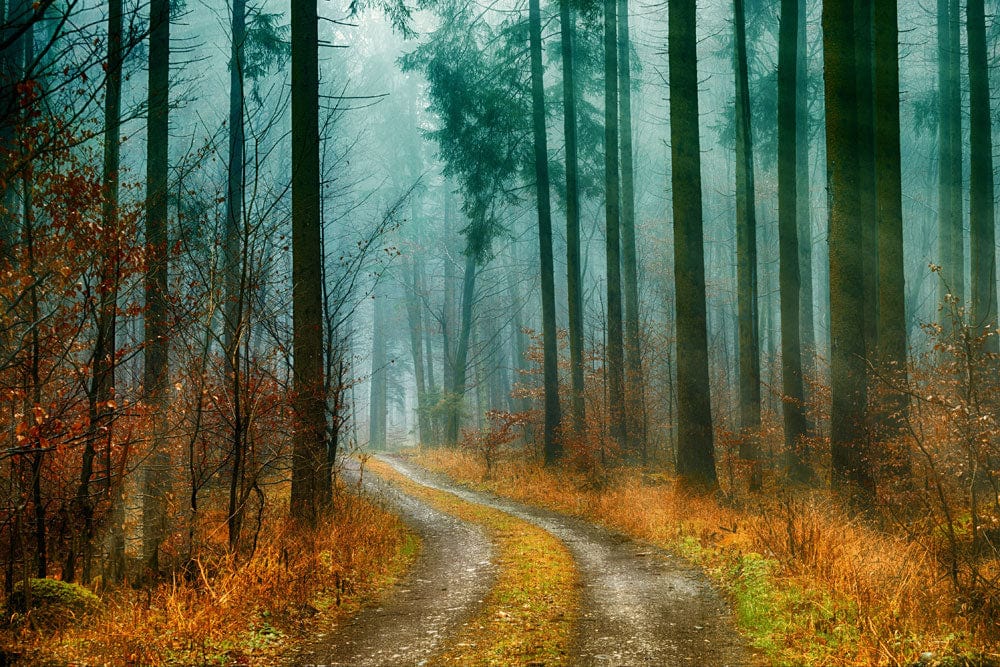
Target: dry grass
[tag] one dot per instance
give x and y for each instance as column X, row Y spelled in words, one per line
column 808, row 584
column 527, row 619
column 226, row 612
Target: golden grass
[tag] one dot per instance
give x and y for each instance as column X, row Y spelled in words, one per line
column 249, row 613
column 528, row 617
column 808, row 585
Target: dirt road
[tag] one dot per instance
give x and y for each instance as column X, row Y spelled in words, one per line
column 446, row 585
column 641, row 606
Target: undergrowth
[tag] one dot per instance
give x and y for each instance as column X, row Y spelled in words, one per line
column 229, row 612
column 808, row 584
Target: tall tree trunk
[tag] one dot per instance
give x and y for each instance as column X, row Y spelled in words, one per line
column 103, row 381
column 635, row 383
column 695, row 443
column 892, row 295
column 379, row 381
column 550, row 361
column 415, row 320
column 981, row 198
column 156, row 350
column 951, row 248
column 573, row 276
column 746, row 258
column 866, row 170
column 615, row 346
column 101, row 393
column 793, row 397
column 803, row 205
column 235, row 269
column 309, row 445
column 457, row 388
column 848, row 371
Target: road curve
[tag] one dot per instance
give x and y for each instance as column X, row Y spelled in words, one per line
column 445, row 587
column 641, row 606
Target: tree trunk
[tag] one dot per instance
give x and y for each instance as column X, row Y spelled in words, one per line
column 573, row 276
column 866, row 171
column 746, row 258
column 309, row 447
column 803, row 206
column 157, row 341
column 550, row 363
column 950, row 235
column 892, row 296
column 457, row 388
column 981, row 199
column 695, row 444
column 379, row 382
column 848, row 371
column 793, row 397
column 615, row 350
column 415, row 319
column 103, row 381
column 635, row 383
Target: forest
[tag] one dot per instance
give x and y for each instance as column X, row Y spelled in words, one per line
column 448, row 332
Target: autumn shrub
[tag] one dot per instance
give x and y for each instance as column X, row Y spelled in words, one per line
column 233, row 610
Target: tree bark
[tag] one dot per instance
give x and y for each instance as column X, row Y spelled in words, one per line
column 379, row 382
column 981, row 196
column 573, row 277
column 457, row 388
column 309, row 446
column 746, row 258
column 950, row 235
column 695, row 444
column 866, row 171
column 615, row 346
column 793, row 397
column 803, row 204
column 156, row 350
column 848, row 371
column 550, row 362
column 635, row 412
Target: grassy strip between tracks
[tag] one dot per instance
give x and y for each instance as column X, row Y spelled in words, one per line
column 528, row 617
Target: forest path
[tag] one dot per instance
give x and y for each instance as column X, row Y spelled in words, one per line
column 444, row 587
column 641, row 605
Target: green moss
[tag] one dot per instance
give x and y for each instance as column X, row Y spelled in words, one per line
column 51, row 602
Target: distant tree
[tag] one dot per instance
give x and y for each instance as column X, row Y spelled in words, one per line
column 695, row 446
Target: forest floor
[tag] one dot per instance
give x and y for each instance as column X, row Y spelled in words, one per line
column 567, row 591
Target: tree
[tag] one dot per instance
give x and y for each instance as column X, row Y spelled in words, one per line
column 746, row 256
column 309, row 446
column 695, row 447
column 793, row 396
column 847, row 364
column 636, row 411
column 157, row 331
column 892, row 295
column 550, row 365
column 866, row 169
column 612, row 197
column 982, row 222
column 803, row 204
column 379, row 381
column 573, row 278
column 950, row 235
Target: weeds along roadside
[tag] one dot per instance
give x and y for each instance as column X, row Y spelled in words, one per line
column 809, row 586
column 254, row 612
